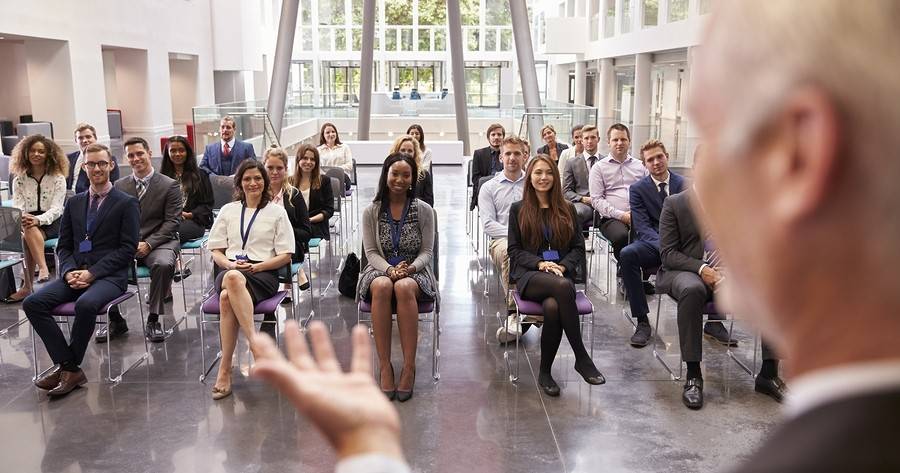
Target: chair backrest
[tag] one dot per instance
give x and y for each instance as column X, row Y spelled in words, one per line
column 11, row 230
column 223, row 190
column 4, row 167
column 469, row 173
column 337, row 188
column 336, row 172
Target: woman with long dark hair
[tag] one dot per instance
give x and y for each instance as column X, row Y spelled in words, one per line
column 180, row 163
column 315, row 188
column 398, row 240
column 250, row 241
column 333, row 153
column 415, row 130
column 545, row 249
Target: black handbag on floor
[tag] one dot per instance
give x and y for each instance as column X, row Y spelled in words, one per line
column 349, row 276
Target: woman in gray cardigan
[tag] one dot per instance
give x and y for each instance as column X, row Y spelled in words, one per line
column 398, row 239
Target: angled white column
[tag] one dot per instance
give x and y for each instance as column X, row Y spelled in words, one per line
column 458, row 74
column 525, row 54
column 281, row 65
column 366, row 70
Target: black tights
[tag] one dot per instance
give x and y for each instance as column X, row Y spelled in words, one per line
column 557, row 294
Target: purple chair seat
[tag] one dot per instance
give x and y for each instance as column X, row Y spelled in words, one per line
column 68, row 309
column 424, row 307
column 712, row 309
column 267, row 306
column 526, row 307
column 348, row 193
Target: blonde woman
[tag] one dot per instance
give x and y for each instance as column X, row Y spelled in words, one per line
column 39, row 190
column 408, row 146
column 286, row 195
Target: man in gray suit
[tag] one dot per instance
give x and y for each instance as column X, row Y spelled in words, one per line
column 576, row 176
column 691, row 274
column 161, row 203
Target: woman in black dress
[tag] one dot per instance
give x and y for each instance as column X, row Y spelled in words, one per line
column 315, row 188
column 180, row 163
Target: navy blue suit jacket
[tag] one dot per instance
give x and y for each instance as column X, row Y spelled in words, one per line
column 646, row 206
column 212, row 157
column 83, row 183
column 114, row 240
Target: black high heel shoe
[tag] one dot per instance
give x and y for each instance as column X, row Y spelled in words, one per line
column 590, row 373
column 393, row 392
column 548, row 385
column 404, row 396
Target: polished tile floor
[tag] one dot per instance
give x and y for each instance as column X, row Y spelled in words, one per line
column 161, row 419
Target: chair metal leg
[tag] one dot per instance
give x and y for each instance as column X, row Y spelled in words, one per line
column 435, row 344
column 660, row 357
column 731, row 354
column 134, row 364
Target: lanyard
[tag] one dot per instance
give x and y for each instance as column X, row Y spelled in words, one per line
column 547, row 236
column 246, row 235
column 397, row 226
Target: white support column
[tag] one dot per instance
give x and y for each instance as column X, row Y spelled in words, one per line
column 607, row 93
column 580, row 81
column 643, row 94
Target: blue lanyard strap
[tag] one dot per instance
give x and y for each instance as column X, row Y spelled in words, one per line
column 397, row 226
column 547, row 236
column 246, row 235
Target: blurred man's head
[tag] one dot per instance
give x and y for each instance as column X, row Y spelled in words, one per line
column 798, row 128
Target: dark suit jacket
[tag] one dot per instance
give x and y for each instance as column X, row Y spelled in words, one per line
column 482, row 166
column 576, row 178
column 524, row 260
column 646, row 206
column 200, row 202
column 857, row 434
column 212, row 157
column 546, row 149
column 321, row 201
column 680, row 239
column 160, row 210
column 83, row 182
column 114, row 238
column 299, row 217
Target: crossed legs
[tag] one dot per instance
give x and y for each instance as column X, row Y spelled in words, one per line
column 34, row 257
column 235, row 313
column 406, row 291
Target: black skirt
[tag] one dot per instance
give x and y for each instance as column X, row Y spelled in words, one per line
column 260, row 285
column 51, row 231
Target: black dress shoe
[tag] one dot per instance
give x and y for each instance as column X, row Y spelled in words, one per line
column 692, row 396
column 50, row 380
column 772, row 387
column 590, row 373
column 649, row 289
column 546, row 382
column 179, row 275
column 117, row 328
column 154, row 332
column 716, row 332
column 286, row 300
column 68, row 381
column 641, row 335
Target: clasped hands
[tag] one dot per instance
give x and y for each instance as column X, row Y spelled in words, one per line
column 243, row 265
column 29, row 221
column 712, row 277
column 400, row 271
column 551, row 267
column 79, row 279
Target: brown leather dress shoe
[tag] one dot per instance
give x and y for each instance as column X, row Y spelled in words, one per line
column 49, row 380
column 68, row 381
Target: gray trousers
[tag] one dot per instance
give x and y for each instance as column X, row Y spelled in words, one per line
column 161, row 262
column 692, row 295
column 585, row 213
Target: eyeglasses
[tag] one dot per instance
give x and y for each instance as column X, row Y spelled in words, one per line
column 96, row 164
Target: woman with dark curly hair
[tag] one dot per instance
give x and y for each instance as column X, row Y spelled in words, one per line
column 180, row 163
column 39, row 190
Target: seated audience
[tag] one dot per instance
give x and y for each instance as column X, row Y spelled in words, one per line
column 545, row 251
column 224, row 157
column 416, row 132
column 486, row 161
column 39, row 191
column 333, row 153
column 576, row 176
column 97, row 236
column 610, row 181
column 408, row 146
column 691, row 273
column 575, row 150
column 398, row 241
column 161, row 205
column 316, row 190
column 250, row 241
column 496, row 197
column 180, row 164
column 77, row 179
column 551, row 148
column 646, row 198
column 282, row 193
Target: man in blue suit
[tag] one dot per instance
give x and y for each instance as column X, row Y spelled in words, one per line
column 77, row 180
column 223, row 158
column 646, row 198
column 97, row 237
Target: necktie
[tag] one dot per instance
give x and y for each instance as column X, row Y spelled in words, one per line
column 662, row 191
column 711, row 253
column 226, row 150
column 141, row 188
column 591, row 161
column 92, row 211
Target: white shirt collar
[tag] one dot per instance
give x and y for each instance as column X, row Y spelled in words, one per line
column 611, row 158
column 668, row 178
column 840, row 382
column 504, row 178
column 230, row 143
column 587, row 155
column 146, row 178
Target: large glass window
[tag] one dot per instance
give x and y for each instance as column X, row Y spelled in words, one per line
column 609, row 19
column 398, row 12
column 651, row 13
column 705, row 6
column 300, row 91
column 432, row 12
column 496, row 12
column 424, row 76
column 625, row 26
column 306, row 12
column 331, row 12
column 595, row 20
column 469, row 12
column 341, row 83
column 624, row 106
column 678, row 10
column 483, row 85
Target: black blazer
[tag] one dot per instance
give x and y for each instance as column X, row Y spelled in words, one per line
column 114, row 238
column 849, row 435
column 425, row 189
column 299, row 216
column 482, row 166
column 523, row 261
column 201, row 201
column 83, row 183
column 546, row 149
column 321, row 201
column 680, row 239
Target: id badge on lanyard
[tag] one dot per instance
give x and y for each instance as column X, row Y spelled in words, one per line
column 245, row 235
column 396, row 229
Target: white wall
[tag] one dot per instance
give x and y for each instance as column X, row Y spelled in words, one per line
column 183, row 79
column 15, row 97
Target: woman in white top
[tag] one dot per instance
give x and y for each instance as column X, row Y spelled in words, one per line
column 250, row 240
column 39, row 190
column 415, row 130
column 333, row 153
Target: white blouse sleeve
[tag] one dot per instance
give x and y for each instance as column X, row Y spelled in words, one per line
column 218, row 235
column 284, row 233
column 18, row 197
column 348, row 161
column 57, row 200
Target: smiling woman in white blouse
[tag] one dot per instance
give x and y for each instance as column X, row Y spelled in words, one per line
column 250, row 240
column 333, row 153
column 39, row 190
